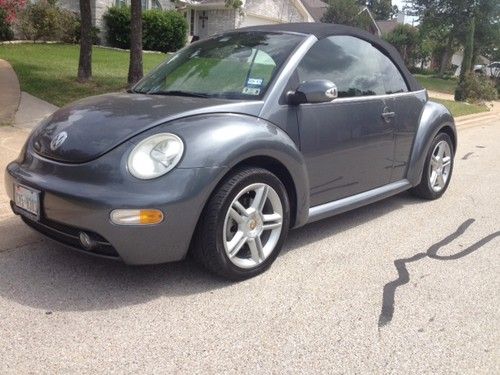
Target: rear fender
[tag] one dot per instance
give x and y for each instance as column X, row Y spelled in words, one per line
column 434, row 118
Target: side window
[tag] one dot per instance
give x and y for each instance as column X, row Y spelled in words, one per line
column 393, row 80
column 354, row 65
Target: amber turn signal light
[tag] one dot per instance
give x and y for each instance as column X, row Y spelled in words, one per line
column 136, row 217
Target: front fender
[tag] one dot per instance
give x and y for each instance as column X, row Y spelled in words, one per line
column 434, row 118
column 224, row 140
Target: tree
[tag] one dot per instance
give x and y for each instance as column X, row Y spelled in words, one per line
column 85, row 61
column 343, row 12
column 487, row 29
column 406, row 39
column 468, row 49
column 453, row 18
column 11, row 8
column 381, row 9
column 135, row 67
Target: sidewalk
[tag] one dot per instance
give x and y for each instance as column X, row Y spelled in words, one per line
column 17, row 108
column 10, row 93
column 31, row 111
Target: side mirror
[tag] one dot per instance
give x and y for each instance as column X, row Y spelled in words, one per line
column 315, row 91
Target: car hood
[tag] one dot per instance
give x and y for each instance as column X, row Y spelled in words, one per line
column 89, row 128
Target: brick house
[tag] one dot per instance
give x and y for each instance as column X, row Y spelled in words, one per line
column 208, row 17
column 99, row 7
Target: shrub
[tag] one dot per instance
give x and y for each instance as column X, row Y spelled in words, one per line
column 70, row 28
column 5, row 30
column 475, row 88
column 117, row 21
column 40, row 20
column 421, row 71
column 163, row 31
column 11, row 9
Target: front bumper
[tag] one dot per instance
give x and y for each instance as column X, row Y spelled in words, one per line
column 80, row 197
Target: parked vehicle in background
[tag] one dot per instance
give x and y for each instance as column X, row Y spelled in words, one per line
column 491, row 70
column 229, row 144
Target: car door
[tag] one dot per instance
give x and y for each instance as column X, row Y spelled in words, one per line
column 348, row 143
column 407, row 107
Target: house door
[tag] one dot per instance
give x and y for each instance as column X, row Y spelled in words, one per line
column 201, row 23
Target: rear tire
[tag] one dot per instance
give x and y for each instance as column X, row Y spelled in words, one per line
column 244, row 224
column 438, row 169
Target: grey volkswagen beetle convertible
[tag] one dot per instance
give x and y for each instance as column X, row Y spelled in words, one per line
column 222, row 149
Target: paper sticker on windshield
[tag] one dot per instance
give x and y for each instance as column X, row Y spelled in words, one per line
column 251, row 91
column 255, row 81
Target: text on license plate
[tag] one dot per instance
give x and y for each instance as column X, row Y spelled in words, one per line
column 27, row 199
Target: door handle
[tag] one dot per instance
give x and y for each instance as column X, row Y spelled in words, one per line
column 387, row 116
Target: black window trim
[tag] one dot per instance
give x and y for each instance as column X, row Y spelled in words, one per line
column 293, row 76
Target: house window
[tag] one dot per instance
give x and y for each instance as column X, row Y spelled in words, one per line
column 145, row 3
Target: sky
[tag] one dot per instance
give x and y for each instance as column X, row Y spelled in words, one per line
column 397, row 2
column 400, row 4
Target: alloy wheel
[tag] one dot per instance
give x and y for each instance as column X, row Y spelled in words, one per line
column 252, row 225
column 440, row 166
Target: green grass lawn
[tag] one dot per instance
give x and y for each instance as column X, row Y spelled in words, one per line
column 48, row 71
column 445, row 85
column 461, row 108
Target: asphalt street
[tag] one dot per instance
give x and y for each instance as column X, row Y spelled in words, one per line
column 400, row 286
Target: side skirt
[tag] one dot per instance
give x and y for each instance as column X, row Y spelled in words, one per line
column 362, row 199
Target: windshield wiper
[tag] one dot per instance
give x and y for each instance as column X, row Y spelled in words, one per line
column 180, row 93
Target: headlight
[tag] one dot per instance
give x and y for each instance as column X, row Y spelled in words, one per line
column 155, row 156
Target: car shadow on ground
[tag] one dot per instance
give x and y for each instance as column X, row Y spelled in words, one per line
column 47, row 276
column 337, row 224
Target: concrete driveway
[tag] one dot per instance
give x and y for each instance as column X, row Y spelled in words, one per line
column 401, row 286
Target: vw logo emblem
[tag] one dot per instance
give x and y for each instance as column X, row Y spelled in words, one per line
column 58, row 140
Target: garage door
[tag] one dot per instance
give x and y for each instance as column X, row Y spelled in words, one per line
column 256, row 21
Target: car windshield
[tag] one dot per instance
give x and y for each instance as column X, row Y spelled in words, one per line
column 231, row 66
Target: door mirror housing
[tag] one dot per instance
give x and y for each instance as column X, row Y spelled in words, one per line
column 315, row 91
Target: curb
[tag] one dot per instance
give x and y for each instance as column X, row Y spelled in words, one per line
column 477, row 120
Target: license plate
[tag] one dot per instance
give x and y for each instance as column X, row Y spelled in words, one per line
column 27, row 199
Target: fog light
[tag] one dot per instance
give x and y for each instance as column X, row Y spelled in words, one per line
column 136, row 217
column 86, row 241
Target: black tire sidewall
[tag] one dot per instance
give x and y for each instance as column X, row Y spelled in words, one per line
column 237, row 182
column 426, row 177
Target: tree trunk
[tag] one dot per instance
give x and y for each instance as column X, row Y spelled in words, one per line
column 85, row 62
column 135, row 66
column 468, row 49
column 445, row 58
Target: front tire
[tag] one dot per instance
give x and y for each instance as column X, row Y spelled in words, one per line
column 438, row 168
column 243, row 225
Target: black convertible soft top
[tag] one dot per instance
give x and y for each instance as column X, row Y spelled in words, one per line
column 323, row 30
